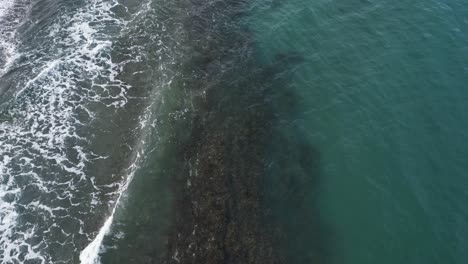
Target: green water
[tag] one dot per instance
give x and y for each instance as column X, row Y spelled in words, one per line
column 383, row 100
column 366, row 147
column 235, row 131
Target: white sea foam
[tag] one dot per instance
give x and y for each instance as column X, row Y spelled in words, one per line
column 12, row 15
column 8, row 53
column 5, row 5
column 90, row 255
column 37, row 177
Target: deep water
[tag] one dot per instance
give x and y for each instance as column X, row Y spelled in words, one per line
column 381, row 98
column 252, row 131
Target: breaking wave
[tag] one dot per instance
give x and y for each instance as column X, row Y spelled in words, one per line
column 45, row 192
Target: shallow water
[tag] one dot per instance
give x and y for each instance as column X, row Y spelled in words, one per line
column 327, row 131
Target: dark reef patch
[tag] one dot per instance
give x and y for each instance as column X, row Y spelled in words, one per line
column 220, row 186
column 218, row 214
column 223, row 210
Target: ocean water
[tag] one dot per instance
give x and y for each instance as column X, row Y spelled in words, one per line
column 233, row 131
column 382, row 99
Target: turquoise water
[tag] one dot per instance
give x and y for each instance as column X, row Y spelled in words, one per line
column 383, row 99
column 262, row 131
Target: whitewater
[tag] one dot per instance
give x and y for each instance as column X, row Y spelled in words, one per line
column 46, row 191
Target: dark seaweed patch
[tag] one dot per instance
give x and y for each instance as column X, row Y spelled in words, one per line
column 224, row 213
column 238, row 182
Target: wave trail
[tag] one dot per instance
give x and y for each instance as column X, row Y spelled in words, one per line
column 12, row 16
column 44, row 155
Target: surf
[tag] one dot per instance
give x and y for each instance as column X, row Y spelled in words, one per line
column 44, row 153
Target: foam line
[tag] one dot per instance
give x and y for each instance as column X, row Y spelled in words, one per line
column 41, row 122
column 90, row 255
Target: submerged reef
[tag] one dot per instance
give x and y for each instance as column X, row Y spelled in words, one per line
column 218, row 218
column 217, row 142
column 220, row 214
